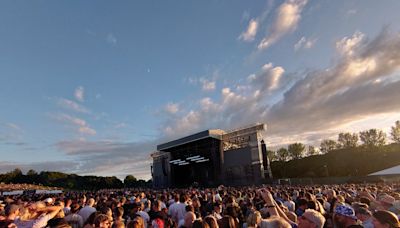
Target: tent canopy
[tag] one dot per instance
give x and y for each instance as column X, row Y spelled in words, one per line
column 390, row 171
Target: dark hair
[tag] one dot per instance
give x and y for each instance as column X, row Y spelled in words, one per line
column 387, row 217
column 99, row 219
column 227, row 221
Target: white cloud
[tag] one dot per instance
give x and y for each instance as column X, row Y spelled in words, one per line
column 318, row 101
column 251, row 31
column 304, row 43
column 72, row 105
column 207, row 85
column 172, row 108
column 111, row 39
column 287, row 18
column 79, row 94
column 269, row 78
column 14, row 126
column 347, row 46
column 78, row 124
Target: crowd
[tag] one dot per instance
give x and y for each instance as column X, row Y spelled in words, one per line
column 13, row 187
column 331, row 206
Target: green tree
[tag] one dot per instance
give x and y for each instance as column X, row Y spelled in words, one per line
column 296, row 150
column 31, row 172
column 130, row 181
column 327, row 145
column 395, row 133
column 282, row 154
column 311, row 151
column 373, row 137
column 347, row 140
column 272, row 155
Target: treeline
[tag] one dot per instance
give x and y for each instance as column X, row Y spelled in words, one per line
column 70, row 181
column 353, row 154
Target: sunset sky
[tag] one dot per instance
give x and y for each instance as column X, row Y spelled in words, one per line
column 91, row 87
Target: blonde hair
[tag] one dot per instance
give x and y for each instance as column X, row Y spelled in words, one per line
column 253, row 218
column 274, row 222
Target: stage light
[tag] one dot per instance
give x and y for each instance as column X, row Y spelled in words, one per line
column 203, row 160
column 193, row 157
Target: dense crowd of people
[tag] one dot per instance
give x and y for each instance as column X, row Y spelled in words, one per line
column 330, row 206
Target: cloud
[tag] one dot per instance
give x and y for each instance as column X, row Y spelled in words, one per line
column 107, row 156
column 78, row 124
column 207, row 85
column 363, row 81
column 287, row 18
column 172, row 108
column 304, row 43
column 347, row 46
column 71, row 105
column 111, row 39
column 79, row 94
column 269, row 78
column 251, row 31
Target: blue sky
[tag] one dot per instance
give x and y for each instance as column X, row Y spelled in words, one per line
column 91, row 87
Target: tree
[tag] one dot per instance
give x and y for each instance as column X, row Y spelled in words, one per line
column 347, row 140
column 327, row 145
column 282, row 154
column 31, row 172
column 296, row 150
column 373, row 137
column 311, row 151
column 272, row 156
column 395, row 133
column 130, row 181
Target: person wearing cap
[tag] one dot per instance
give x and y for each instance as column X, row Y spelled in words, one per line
column 311, row 219
column 344, row 216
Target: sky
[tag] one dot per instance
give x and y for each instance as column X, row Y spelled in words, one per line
column 91, row 87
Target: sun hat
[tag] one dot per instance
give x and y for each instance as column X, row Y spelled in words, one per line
column 345, row 211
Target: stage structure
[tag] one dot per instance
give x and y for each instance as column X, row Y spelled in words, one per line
column 213, row 157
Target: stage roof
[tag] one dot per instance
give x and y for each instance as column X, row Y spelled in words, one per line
column 215, row 133
column 390, row 171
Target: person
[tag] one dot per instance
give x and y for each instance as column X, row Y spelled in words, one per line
column 302, row 205
column 385, row 219
column 74, row 219
column 311, row 219
column 344, row 216
column 156, row 212
column 217, row 210
column 211, row 221
column 365, row 216
column 253, row 220
column 87, row 210
column 137, row 222
column 227, row 222
column 118, row 213
column 102, row 221
column 274, row 222
column 11, row 212
column 189, row 218
column 36, row 215
column 288, row 202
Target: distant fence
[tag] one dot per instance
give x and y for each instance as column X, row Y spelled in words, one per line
column 338, row 180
